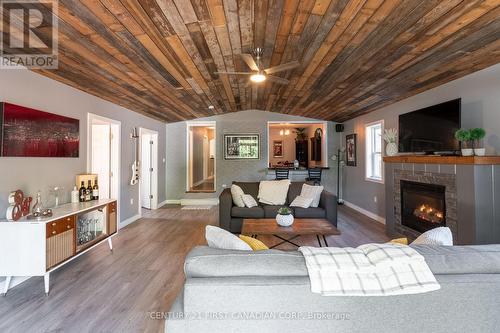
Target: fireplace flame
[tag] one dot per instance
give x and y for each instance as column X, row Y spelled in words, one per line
column 429, row 214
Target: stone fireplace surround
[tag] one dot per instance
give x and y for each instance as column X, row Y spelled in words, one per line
column 472, row 194
column 446, row 180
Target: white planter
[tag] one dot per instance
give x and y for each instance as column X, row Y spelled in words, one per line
column 391, row 149
column 467, row 152
column 479, row 151
column 284, row 220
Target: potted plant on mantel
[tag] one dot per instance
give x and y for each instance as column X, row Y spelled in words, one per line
column 390, row 136
column 477, row 135
column 464, row 137
column 284, row 217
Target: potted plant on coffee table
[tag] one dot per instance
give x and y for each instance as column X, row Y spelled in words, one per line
column 284, row 217
column 477, row 135
column 464, row 137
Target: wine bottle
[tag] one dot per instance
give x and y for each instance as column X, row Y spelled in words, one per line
column 82, row 192
column 88, row 194
column 95, row 191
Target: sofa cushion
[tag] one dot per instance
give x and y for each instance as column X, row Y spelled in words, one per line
column 311, row 212
column 294, row 191
column 251, row 213
column 270, row 211
column 251, row 188
column 474, row 259
column 222, row 239
column 203, row 261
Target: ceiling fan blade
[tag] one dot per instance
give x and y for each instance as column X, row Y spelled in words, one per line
column 250, row 61
column 277, row 79
column 283, row 67
column 234, row 73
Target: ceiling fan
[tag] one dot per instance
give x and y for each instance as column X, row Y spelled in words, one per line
column 259, row 75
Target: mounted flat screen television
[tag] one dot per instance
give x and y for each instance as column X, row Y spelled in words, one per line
column 431, row 129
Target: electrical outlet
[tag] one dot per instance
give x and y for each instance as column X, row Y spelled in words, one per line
column 224, row 185
column 164, row 160
column 375, row 199
column 132, row 201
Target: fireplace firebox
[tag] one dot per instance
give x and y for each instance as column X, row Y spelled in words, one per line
column 423, row 206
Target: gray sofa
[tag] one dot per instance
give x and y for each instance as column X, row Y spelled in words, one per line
column 231, row 217
column 269, row 291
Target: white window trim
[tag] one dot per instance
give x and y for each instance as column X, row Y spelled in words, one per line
column 374, row 180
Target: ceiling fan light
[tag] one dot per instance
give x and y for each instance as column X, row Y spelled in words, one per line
column 257, row 78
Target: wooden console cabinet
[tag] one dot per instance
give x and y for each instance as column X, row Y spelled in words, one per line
column 38, row 247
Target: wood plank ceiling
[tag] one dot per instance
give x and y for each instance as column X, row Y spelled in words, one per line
column 158, row 57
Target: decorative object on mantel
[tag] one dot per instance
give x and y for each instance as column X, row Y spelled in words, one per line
column 26, row 132
column 241, row 146
column 39, row 212
column 350, row 143
column 464, row 137
column 284, row 217
column 477, row 135
column 390, row 136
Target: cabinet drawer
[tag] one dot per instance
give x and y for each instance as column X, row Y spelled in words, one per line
column 59, row 226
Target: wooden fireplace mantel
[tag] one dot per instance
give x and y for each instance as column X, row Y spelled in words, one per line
column 433, row 159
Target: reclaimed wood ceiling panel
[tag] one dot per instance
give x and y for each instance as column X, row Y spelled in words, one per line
column 158, row 57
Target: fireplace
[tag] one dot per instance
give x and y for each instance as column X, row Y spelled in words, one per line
column 423, row 206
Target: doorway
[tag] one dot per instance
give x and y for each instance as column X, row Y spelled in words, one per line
column 148, row 180
column 201, row 157
column 103, row 155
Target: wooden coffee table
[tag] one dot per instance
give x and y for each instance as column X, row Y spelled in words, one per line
column 318, row 227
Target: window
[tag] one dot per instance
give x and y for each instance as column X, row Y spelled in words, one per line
column 374, row 169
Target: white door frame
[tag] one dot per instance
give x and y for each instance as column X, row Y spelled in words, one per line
column 189, row 148
column 154, row 176
column 91, row 118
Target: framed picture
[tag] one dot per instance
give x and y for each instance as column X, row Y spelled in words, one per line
column 241, row 146
column 26, row 132
column 278, row 148
column 350, row 149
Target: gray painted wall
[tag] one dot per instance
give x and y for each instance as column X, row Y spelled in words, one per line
column 29, row 89
column 480, row 108
column 251, row 121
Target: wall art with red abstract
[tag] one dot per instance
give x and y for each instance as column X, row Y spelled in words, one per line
column 26, row 132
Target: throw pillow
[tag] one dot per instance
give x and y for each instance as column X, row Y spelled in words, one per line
column 302, row 202
column 313, row 192
column 402, row 240
column 237, row 194
column 436, row 236
column 221, row 239
column 249, row 201
column 254, row 243
column 273, row 192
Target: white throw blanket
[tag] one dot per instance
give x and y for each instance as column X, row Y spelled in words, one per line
column 368, row 270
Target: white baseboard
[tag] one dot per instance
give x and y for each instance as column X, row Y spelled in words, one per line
column 163, row 203
column 130, row 220
column 206, row 201
column 172, row 202
column 365, row 212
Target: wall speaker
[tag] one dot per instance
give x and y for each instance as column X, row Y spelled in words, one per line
column 339, row 127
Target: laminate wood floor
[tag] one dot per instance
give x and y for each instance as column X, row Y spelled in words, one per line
column 103, row 291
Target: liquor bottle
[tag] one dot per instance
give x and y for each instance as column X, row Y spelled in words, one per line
column 95, row 191
column 82, row 192
column 88, row 195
